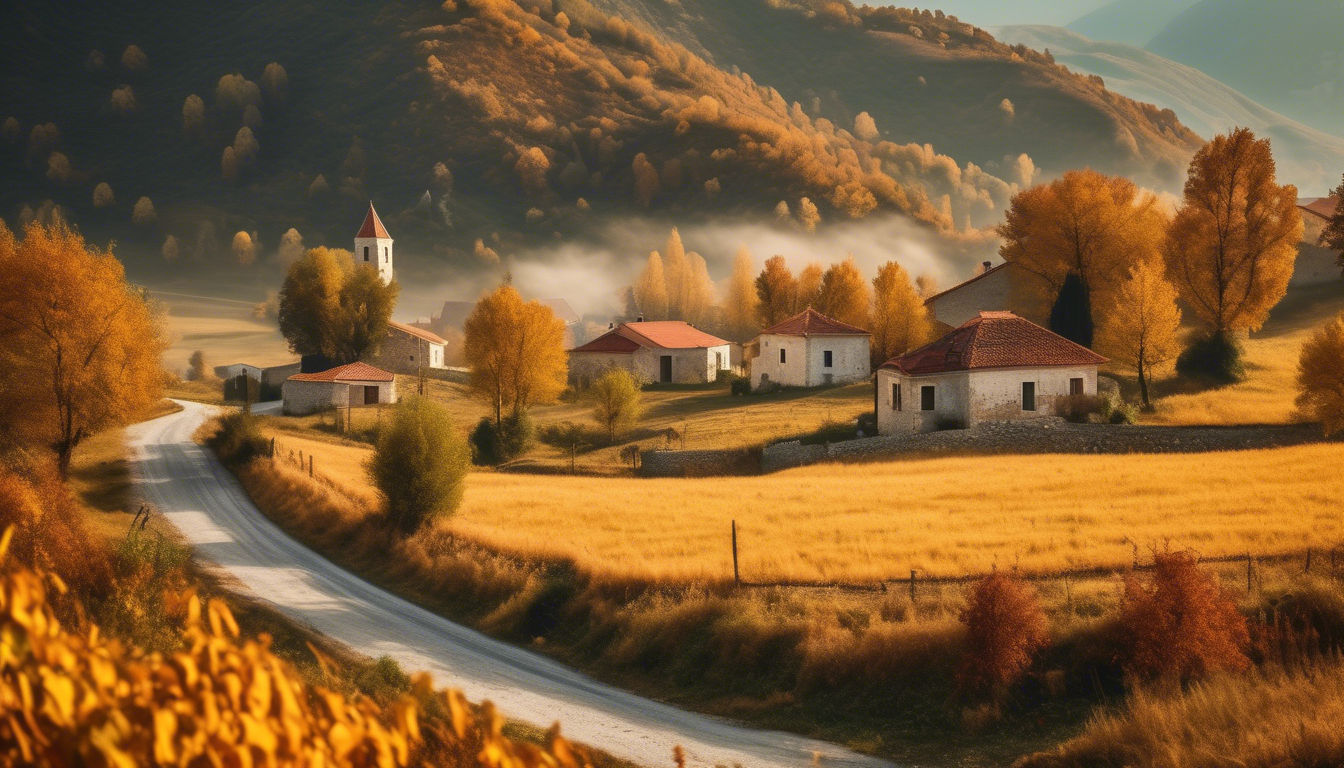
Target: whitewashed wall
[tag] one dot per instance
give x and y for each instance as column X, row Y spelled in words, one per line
column 972, row 397
column 804, row 360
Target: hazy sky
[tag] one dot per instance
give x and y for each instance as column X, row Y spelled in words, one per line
column 990, row 13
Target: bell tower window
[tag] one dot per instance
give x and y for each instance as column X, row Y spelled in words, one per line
column 366, row 253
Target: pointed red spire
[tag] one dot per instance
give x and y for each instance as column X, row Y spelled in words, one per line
column 373, row 226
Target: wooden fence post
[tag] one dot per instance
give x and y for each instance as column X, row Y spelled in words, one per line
column 1248, row 573
column 272, row 450
column 310, row 465
column 912, row 586
column 1307, row 567
column 737, row 578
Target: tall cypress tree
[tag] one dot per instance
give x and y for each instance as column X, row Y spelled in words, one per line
column 1071, row 317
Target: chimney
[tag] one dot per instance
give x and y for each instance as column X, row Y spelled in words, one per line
column 611, row 326
column 640, row 320
column 987, row 265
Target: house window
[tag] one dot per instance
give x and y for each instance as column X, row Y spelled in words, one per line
column 412, row 358
column 926, row 398
column 826, row 359
column 366, row 253
column 781, row 357
column 1075, row 386
column 385, row 256
column 896, row 396
column 1028, row 395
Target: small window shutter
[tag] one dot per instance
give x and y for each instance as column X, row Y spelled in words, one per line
column 926, row 398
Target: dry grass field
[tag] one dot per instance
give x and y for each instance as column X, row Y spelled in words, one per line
column 866, row 522
column 222, row 328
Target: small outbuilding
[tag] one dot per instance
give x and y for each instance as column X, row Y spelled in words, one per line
column 346, row 385
column 661, row 351
column 238, row 369
column 994, row 367
column 408, row 348
column 810, row 350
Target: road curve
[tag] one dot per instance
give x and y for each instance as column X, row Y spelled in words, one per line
column 203, row 500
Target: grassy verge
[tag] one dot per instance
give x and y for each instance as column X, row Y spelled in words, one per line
column 872, row 670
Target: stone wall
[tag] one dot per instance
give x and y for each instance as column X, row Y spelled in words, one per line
column 963, row 302
column 709, row 463
column 404, row 353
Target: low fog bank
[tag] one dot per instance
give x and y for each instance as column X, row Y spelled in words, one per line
column 592, row 272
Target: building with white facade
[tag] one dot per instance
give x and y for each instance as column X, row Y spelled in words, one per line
column 663, row 351
column 990, row 290
column 995, row 367
column 355, row 384
column 810, row 350
column 373, row 245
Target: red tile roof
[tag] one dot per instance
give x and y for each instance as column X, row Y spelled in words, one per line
column 994, row 340
column 657, row 334
column 810, row 322
column 373, row 226
column 965, row 283
column 351, row 372
column 432, row 338
column 1321, row 206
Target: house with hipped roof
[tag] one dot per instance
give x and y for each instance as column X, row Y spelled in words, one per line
column 408, row 348
column 994, row 367
column 659, row 351
column 810, row 350
column 355, row 384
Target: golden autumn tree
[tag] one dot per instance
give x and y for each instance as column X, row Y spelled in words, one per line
column 331, row 306
column 517, row 352
column 1140, row 328
column 79, row 346
column 843, row 294
column 1084, row 223
column 677, row 272
column 900, row 319
column 700, row 295
column 776, row 292
column 809, row 288
column 1233, row 243
column 651, row 289
column 741, row 303
column 1320, row 377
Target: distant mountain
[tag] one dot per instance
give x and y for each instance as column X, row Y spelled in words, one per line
column 1133, row 22
column 1311, row 159
column 1285, row 55
column 523, row 124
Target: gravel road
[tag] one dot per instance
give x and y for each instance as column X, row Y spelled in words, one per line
column 203, row 500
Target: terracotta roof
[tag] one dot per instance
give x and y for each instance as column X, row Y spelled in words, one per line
column 417, row 332
column 994, row 340
column 656, row 334
column 373, row 226
column 810, row 322
column 351, row 372
column 1321, row 206
column 965, row 283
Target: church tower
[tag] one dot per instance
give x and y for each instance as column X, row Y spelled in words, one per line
column 373, row 246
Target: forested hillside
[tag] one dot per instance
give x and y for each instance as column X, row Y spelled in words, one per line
column 515, row 123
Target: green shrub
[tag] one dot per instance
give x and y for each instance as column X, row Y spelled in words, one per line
column 1080, row 408
column 1216, row 359
column 239, row 439
column 617, row 401
column 1123, row 413
column 565, row 435
column 495, row 444
column 419, row 465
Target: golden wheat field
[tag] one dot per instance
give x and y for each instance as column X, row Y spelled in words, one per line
column 863, row 522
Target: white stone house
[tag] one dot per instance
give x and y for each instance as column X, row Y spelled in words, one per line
column 989, row 290
column 355, row 384
column 810, row 350
column 995, row 367
column 662, row 351
column 407, row 348
column 373, row 245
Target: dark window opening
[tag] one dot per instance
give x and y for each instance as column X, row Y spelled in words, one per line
column 896, row 397
column 781, row 357
column 665, row 369
column 370, row 395
column 926, row 398
column 366, row 253
column 1075, row 386
column 1028, row 395
column 385, row 256
column 826, row 359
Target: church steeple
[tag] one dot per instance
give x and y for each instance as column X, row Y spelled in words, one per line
column 373, row 245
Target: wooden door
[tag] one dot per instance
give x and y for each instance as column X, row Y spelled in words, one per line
column 370, row 395
column 665, row 369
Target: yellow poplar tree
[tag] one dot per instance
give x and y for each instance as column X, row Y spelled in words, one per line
column 651, row 289
column 79, row 346
column 1233, row 243
column 699, row 291
column 843, row 294
column 809, row 288
column 677, row 271
column 1320, row 376
column 776, row 292
column 517, row 352
column 900, row 319
column 740, row 306
column 1140, row 328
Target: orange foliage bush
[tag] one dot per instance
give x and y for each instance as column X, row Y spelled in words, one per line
column 1005, row 627
column 77, row 698
column 1181, row 625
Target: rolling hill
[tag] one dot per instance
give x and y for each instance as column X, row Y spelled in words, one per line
column 1132, row 22
column 520, row 124
column 1311, row 159
column 1284, row 55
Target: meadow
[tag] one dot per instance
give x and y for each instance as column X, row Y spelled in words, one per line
column 224, row 329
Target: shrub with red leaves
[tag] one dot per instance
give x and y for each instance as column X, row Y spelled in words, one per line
column 1005, row 627
column 1181, row 625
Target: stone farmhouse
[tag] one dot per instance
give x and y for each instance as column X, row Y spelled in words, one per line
column 346, row 385
column 663, row 351
column 407, row 349
column 988, row 290
column 994, row 367
column 810, row 350
column 1315, row 263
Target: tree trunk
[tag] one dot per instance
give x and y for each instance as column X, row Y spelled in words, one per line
column 1143, row 385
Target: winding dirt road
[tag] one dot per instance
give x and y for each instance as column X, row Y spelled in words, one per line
column 203, row 500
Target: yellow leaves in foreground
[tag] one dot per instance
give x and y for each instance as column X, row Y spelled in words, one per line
column 77, row 698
